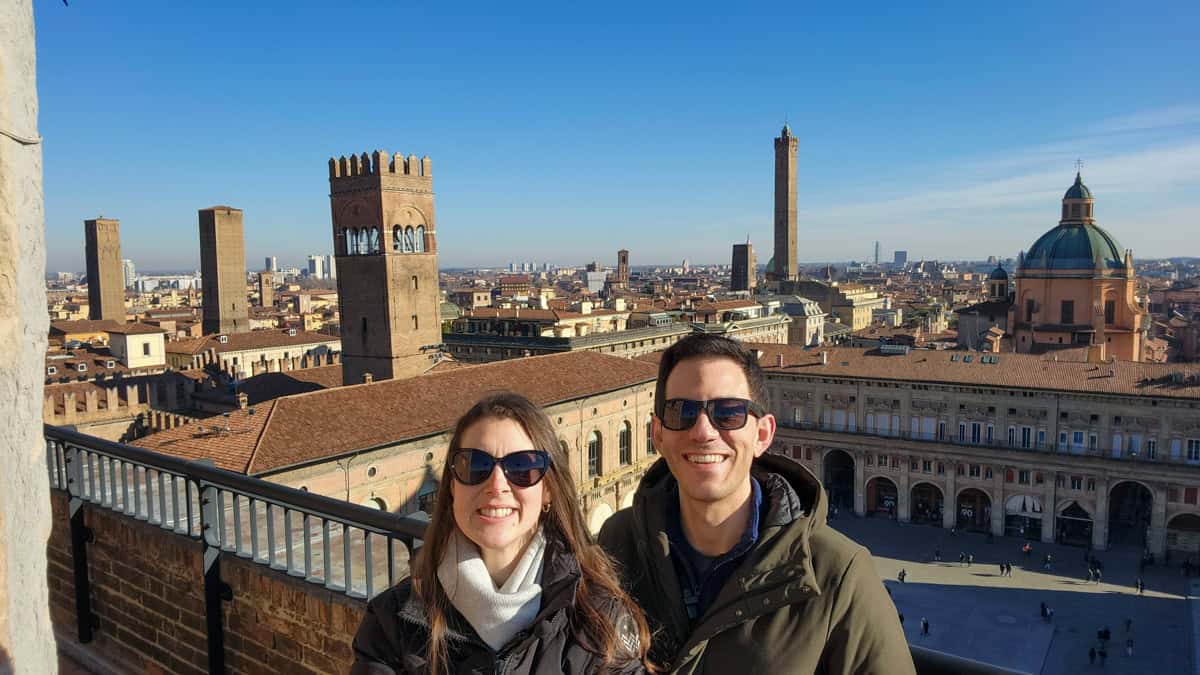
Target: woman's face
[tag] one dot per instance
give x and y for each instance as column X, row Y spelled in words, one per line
column 499, row 517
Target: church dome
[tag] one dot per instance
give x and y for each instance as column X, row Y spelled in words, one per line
column 1075, row 246
column 1078, row 190
column 998, row 274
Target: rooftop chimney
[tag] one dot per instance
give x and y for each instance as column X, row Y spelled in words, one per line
column 779, row 361
column 824, row 358
column 368, row 378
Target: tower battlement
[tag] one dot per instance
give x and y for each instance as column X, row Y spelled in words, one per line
column 380, row 163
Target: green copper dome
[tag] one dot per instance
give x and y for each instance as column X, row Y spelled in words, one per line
column 1075, row 246
column 1078, row 190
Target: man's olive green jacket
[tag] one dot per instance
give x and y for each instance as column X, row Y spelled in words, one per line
column 805, row 599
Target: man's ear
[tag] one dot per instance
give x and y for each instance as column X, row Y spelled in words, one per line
column 656, row 430
column 766, row 434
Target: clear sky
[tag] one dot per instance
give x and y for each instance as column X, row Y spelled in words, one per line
column 564, row 132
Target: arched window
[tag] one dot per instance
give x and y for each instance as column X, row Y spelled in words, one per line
column 650, row 436
column 420, row 239
column 594, row 446
column 409, row 243
column 396, row 243
column 352, row 241
column 373, row 242
column 625, row 444
column 345, row 241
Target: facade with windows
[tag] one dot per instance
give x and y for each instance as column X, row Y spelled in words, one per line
column 1093, row 454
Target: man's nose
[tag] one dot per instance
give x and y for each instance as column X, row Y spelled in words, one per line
column 703, row 429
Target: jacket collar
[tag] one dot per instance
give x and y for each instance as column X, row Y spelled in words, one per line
column 779, row 565
column 560, row 579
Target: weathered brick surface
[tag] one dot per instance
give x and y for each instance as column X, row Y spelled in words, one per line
column 148, row 591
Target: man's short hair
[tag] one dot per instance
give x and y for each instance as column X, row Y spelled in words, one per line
column 701, row 345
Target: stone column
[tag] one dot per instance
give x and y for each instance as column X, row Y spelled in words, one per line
column 950, row 499
column 998, row 498
column 1049, row 504
column 1100, row 517
column 26, row 635
column 1158, row 522
column 903, row 492
column 860, row 486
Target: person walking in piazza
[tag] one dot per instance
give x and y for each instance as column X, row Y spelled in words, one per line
column 903, row 573
column 970, row 559
column 509, row 579
column 726, row 546
column 924, row 626
column 1091, row 655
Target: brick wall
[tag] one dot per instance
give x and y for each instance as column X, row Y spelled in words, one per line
column 147, row 589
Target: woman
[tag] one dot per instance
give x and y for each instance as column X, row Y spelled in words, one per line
column 508, row 579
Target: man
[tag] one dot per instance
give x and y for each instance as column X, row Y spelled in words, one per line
column 727, row 548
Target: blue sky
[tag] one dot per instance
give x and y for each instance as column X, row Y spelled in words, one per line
column 564, row 133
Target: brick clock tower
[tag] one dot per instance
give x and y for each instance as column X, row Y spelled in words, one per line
column 385, row 241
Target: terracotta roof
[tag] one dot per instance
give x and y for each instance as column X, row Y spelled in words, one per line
column 83, row 326
column 135, row 329
column 257, row 339
column 313, row 426
column 1024, row 371
column 267, row 386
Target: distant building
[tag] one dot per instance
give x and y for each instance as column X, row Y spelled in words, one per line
column 742, row 276
column 876, row 253
column 1076, row 286
column 129, row 272
column 316, row 267
column 266, row 289
column 900, row 258
column 976, row 321
column 106, row 287
column 330, row 267
column 271, row 264
column 514, row 285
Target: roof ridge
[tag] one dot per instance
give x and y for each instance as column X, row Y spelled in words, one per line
column 258, row 441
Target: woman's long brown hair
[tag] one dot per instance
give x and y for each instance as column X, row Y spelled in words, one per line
column 598, row 584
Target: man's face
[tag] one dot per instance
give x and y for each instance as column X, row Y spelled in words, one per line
column 711, row 465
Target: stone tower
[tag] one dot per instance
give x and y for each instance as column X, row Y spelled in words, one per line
column 786, row 148
column 266, row 289
column 223, row 270
column 623, row 268
column 385, row 243
column 742, row 276
column 105, row 274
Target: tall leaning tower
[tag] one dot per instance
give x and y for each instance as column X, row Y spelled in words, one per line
column 786, row 149
column 385, row 243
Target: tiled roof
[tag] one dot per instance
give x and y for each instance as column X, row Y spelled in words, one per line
column 308, row 427
column 135, row 329
column 268, row 386
column 1024, row 371
column 82, row 326
column 257, row 339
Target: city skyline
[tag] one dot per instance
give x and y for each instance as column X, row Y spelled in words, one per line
column 952, row 143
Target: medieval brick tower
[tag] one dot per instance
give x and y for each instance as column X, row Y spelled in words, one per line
column 223, row 271
column 786, row 149
column 106, row 281
column 385, row 243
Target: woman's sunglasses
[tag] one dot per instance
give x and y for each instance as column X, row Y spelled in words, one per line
column 524, row 468
column 727, row 414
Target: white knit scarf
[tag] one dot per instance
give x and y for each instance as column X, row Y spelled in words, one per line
column 497, row 614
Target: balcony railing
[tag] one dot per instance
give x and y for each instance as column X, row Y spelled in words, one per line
column 1100, row 451
column 329, row 543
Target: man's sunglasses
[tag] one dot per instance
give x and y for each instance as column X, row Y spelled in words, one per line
column 727, row 414
column 524, row 468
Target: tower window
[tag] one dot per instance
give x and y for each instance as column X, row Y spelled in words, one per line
column 415, row 285
column 1028, row 310
column 415, row 322
column 1068, row 311
column 1110, row 311
column 1074, row 210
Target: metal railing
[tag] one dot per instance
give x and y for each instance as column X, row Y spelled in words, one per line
column 327, row 542
column 343, row 547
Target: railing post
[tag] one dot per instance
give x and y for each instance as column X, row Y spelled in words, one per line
column 215, row 590
column 81, row 536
